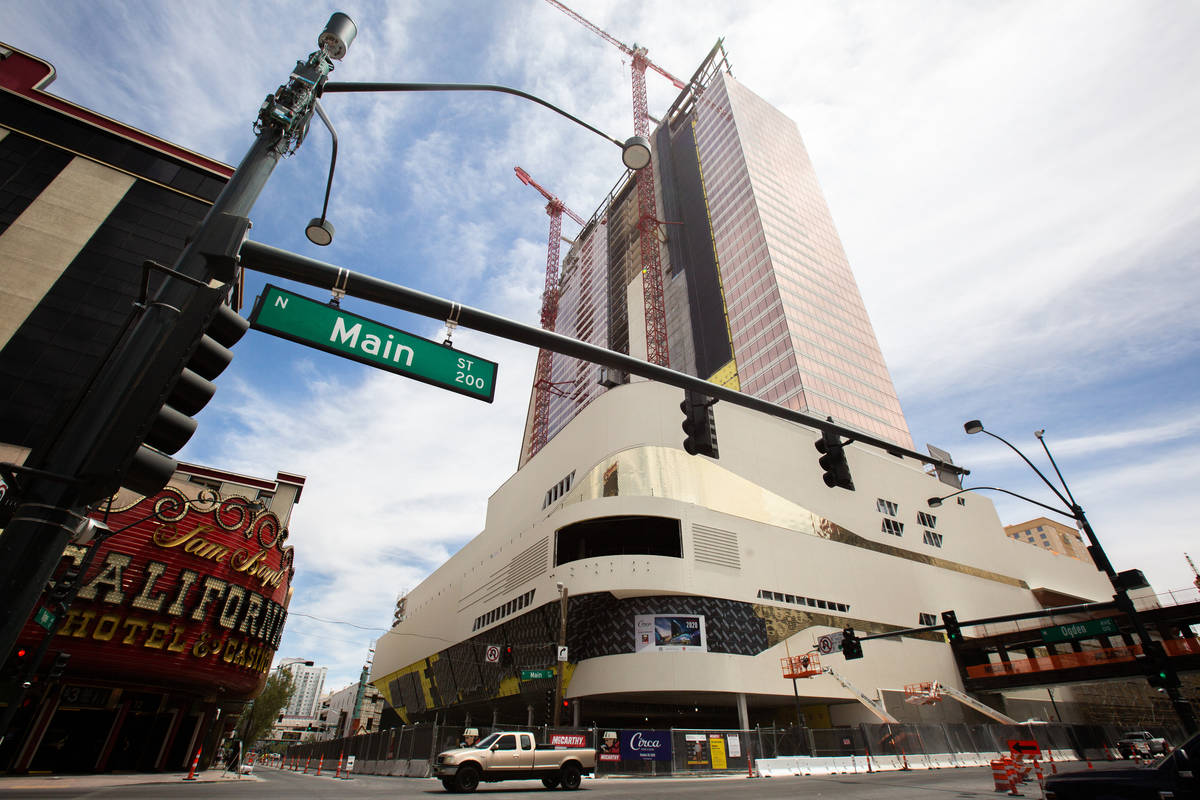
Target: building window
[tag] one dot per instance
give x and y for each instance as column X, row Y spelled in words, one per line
column 500, row 612
column 886, row 507
column 934, row 539
column 797, row 600
column 558, row 490
column 926, row 520
column 962, row 501
column 894, row 527
column 615, row 536
column 926, row 619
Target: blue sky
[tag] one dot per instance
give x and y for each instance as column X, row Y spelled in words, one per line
column 1015, row 184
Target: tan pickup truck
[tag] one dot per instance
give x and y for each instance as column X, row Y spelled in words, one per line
column 510, row 756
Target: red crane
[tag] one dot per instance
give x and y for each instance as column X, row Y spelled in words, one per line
column 542, row 384
column 652, row 286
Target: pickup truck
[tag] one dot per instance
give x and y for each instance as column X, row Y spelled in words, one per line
column 1140, row 743
column 1171, row 776
column 508, row 756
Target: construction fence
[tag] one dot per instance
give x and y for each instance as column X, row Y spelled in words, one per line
column 409, row 751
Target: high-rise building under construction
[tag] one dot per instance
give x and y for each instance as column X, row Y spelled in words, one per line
column 758, row 292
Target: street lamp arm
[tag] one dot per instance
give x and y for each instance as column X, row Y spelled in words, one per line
column 1045, row 480
column 934, row 502
column 344, row 86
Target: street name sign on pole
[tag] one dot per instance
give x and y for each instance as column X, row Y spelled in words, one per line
column 1104, row 626
column 534, row 674
column 325, row 327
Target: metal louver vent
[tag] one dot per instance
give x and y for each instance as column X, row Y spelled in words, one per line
column 715, row 546
column 528, row 564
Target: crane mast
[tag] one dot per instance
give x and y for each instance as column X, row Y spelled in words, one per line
column 652, row 282
column 542, row 385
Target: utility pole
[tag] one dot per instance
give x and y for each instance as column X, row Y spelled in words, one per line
column 560, row 666
column 93, row 450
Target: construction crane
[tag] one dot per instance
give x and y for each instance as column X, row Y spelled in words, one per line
column 1194, row 572
column 542, row 385
column 652, row 286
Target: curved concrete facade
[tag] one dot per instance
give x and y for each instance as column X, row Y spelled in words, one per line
column 756, row 525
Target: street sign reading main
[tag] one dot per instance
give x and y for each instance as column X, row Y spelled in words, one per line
column 1087, row 629
column 291, row 316
column 535, row 674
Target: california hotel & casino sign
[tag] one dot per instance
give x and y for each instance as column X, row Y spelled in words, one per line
column 173, row 630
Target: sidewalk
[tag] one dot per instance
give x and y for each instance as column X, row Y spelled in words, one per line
column 109, row 780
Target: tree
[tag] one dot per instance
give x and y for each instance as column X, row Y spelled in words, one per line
column 261, row 714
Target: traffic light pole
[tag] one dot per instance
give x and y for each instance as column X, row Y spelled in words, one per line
column 124, row 395
column 1160, row 673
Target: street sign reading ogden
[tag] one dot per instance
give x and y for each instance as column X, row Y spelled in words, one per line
column 324, row 327
column 1080, row 630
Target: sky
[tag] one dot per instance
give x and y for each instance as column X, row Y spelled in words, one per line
column 1015, row 183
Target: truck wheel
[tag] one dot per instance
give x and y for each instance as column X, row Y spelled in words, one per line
column 466, row 779
column 448, row 785
column 550, row 783
column 570, row 776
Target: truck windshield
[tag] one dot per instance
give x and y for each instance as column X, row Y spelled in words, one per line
column 488, row 741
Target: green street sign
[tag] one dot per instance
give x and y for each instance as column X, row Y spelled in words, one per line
column 324, row 327
column 534, row 674
column 1079, row 630
column 45, row 619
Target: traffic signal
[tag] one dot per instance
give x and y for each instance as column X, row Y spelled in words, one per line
column 549, row 705
column 953, row 632
column 506, row 655
column 60, row 664
column 156, row 419
column 16, row 663
column 64, row 585
column 851, row 646
column 1160, row 673
column 182, row 344
column 833, row 461
column 699, row 424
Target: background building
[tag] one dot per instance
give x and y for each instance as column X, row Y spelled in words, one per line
column 758, row 292
column 309, row 683
column 1054, row 536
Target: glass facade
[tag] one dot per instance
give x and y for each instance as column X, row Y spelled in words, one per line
column 759, row 292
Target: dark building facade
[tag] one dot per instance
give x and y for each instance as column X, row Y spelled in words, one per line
column 180, row 610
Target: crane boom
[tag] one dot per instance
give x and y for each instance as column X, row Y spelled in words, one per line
column 874, row 706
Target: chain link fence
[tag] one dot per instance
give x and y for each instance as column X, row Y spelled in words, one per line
column 409, row 751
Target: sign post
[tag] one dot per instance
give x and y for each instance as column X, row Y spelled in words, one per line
column 325, row 327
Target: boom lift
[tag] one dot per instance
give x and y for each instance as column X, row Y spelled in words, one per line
column 932, row 691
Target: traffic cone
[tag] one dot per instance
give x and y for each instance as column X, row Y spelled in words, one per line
column 1053, row 766
column 1011, row 770
column 191, row 776
column 338, row 772
column 320, row 763
column 306, row 760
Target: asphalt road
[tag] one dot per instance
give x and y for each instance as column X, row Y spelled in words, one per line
column 951, row 784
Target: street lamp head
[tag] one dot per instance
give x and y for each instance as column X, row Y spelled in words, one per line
column 319, row 231
column 635, row 153
column 934, row 502
column 974, row 426
column 339, row 33
column 1039, row 434
column 559, row 586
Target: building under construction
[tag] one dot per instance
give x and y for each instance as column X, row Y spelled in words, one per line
column 679, row 583
column 757, row 291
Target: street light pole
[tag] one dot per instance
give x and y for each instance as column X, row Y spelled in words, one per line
column 67, row 474
column 560, row 666
column 1154, row 656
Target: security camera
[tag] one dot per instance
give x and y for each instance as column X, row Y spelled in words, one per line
column 559, row 586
